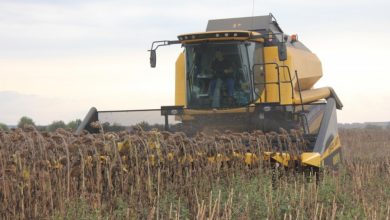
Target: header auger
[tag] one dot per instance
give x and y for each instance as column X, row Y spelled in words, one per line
column 247, row 75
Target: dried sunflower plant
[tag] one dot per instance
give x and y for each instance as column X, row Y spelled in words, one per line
column 162, row 175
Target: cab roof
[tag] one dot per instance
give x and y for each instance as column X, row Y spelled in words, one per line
column 220, row 36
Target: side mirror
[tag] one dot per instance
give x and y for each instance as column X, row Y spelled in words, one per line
column 153, row 58
column 282, row 51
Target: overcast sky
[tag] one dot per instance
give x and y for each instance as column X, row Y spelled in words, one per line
column 59, row 58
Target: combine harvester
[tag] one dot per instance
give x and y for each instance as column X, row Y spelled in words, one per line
column 245, row 74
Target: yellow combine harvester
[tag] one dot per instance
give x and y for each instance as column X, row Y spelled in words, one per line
column 245, row 74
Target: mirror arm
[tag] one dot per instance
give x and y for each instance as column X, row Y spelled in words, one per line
column 157, row 44
column 154, row 47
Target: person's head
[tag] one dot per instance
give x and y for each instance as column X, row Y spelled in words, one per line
column 219, row 55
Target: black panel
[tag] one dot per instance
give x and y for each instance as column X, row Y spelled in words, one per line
column 334, row 159
column 245, row 23
column 91, row 116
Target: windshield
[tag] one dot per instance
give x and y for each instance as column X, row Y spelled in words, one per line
column 218, row 75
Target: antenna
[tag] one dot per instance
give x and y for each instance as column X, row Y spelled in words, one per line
column 253, row 7
column 253, row 11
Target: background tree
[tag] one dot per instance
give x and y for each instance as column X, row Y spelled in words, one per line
column 143, row 125
column 112, row 127
column 25, row 121
column 372, row 126
column 4, row 127
column 56, row 124
column 72, row 125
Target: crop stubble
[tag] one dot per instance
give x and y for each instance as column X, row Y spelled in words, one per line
column 170, row 176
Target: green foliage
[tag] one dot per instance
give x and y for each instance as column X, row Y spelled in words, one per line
column 41, row 128
column 55, row 125
column 112, row 128
column 120, row 209
column 81, row 209
column 78, row 209
column 72, row 125
column 145, row 126
column 25, row 121
column 372, row 126
column 4, row 127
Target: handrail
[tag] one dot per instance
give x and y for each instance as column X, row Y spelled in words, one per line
column 265, row 79
column 299, row 90
column 289, row 81
column 278, row 82
column 303, row 117
column 306, row 128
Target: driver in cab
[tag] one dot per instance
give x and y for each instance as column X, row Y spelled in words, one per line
column 223, row 73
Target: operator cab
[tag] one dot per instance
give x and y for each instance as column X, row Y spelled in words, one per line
column 218, row 73
column 224, row 67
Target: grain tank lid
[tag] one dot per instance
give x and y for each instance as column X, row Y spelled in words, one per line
column 263, row 24
column 296, row 44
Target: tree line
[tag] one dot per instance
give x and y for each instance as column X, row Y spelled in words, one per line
column 72, row 125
